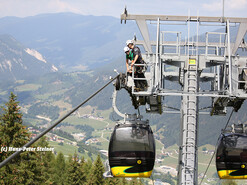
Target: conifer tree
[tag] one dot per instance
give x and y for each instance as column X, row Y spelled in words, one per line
column 87, row 168
column 12, row 134
column 113, row 181
column 135, row 181
column 116, row 181
column 48, row 167
column 229, row 182
column 109, row 181
column 75, row 172
column 59, row 169
column 28, row 167
column 96, row 176
column 47, row 160
column 124, row 181
column 59, row 176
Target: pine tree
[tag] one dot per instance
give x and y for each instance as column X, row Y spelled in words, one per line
column 135, row 181
column 47, row 161
column 82, row 162
column 59, row 169
column 229, row 182
column 114, row 181
column 110, row 181
column 76, row 174
column 29, row 167
column 12, row 134
column 96, row 176
column 87, row 168
column 124, row 181
column 120, row 181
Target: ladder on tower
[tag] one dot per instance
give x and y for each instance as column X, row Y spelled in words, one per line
column 188, row 171
column 191, row 127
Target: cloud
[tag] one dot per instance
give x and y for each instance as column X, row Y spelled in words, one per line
column 215, row 6
column 23, row 8
column 231, row 7
column 236, row 4
column 34, row 7
column 61, row 6
column 79, row 68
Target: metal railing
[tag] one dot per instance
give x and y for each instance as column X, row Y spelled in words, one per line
column 171, row 46
column 218, row 47
column 151, row 80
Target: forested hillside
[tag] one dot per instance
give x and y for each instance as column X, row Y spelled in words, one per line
column 36, row 166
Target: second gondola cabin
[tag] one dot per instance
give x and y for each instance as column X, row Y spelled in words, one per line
column 132, row 149
column 231, row 156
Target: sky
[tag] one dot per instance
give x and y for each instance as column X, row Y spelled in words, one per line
column 25, row 8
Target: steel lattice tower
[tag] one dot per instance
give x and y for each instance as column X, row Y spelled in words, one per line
column 191, row 58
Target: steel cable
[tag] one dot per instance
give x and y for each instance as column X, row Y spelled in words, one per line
column 3, row 163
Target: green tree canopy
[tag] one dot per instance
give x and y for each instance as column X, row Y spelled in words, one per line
column 75, row 173
column 96, row 175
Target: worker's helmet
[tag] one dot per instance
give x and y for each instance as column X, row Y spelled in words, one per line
column 129, row 42
column 126, row 49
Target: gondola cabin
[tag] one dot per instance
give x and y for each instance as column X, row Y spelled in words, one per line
column 132, row 149
column 231, row 156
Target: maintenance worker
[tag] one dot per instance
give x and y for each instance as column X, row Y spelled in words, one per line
column 137, row 59
column 129, row 58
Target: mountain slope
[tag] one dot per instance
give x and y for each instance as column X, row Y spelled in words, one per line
column 18, row 62
column 71, row 40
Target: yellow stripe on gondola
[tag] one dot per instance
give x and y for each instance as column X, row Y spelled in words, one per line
column 225, row 174
column 119, row 171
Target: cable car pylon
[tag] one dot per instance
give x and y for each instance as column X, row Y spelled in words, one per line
column 177, row 57
column 6, row 161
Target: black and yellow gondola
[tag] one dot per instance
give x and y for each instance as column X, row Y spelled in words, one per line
column 231, row 156
column 132, row 150
column 140, row 169
column 232, row 174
